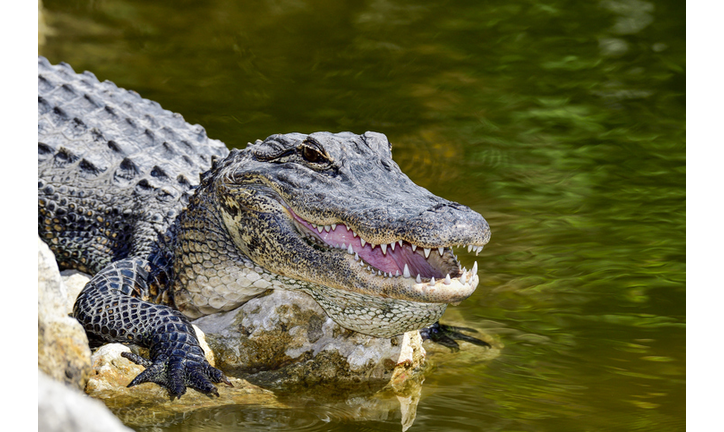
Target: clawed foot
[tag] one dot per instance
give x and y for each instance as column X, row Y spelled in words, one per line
column 175, row 373
column 447, row 335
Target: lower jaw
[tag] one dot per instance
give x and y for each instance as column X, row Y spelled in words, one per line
column 374, row 315
column 403, row 289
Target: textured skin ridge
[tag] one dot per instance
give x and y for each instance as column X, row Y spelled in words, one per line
column 121, row 148
column 136, row 133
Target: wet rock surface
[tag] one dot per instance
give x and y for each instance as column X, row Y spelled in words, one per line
column 149, row 404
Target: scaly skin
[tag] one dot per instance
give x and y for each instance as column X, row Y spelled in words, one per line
column 328, row 214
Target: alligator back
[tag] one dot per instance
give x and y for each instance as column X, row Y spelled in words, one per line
column 114, row 169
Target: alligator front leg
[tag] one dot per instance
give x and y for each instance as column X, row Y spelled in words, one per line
column 111, row 308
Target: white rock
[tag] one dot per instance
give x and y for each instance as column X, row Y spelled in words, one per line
column 62, row 409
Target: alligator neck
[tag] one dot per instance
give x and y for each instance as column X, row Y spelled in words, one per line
column 210, row 274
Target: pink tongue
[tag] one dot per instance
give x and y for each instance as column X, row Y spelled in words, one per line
column 392, row 262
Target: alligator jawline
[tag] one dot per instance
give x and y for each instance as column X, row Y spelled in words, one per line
column 397, row 259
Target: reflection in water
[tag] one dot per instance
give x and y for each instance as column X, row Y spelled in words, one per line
column 304, row 412
column 633, row 15
column 562, row 123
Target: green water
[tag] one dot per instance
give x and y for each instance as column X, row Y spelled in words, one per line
column 562, row 122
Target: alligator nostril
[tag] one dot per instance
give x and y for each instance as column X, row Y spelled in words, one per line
column 446, row 206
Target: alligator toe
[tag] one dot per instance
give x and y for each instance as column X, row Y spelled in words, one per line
column 176, row 374
column 446, row 335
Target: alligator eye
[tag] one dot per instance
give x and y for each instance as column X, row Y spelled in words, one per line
column 313, row 155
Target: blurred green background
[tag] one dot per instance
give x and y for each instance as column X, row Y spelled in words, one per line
column 562, row 122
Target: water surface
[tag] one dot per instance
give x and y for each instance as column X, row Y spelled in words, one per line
column 563, row 123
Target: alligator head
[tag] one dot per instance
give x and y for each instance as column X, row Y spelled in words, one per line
column 335, row 214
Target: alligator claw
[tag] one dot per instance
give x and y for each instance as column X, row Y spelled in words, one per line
column 176, row 373
column 447, row 335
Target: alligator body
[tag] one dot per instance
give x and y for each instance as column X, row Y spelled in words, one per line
column 174, row 226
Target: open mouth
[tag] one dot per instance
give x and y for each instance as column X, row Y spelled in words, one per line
column 399, row 259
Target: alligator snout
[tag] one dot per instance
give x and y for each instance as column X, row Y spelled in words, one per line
column 449, row 224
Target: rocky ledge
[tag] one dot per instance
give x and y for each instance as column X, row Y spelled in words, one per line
column 282, row 341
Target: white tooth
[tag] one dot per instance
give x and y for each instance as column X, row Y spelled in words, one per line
column 441, row 250
column 356, row 257
column 384, row 249
column 348, row 228
column 463, row 278
column 336, row 245
column 417, row 279
column 397, row 272
column 427, row 253
column 349, row 249
column 447, row 280
column 372, row 245
column 392, row 245
column 406, row 272
column 399, row 242
column 362, row 241
column 327, row 228
column 354, row 234
column 320, row 228
column 379, row 273
column 432, row 281
column 334, row 227
column 474, row 271
column 414, row 248
column 470, row 247
column 465, row 270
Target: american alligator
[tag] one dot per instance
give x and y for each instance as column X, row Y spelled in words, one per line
column 173, row 226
